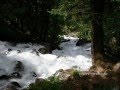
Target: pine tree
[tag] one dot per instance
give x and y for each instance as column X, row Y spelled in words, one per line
column 97, row 7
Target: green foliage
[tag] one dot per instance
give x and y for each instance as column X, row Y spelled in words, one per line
column 76, row 16
column 55, row 28
column 31, row 19
column 76, row 74
column 85, row 31
column 44, row 21
column 112, row 28
column 52, row 83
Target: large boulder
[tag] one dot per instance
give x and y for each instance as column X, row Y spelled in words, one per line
column 82, row 41
column 63, row 74
column 39, row 80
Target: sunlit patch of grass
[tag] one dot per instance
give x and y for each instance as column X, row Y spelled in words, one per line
column 76, row 74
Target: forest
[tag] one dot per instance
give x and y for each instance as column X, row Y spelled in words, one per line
column 59, row 44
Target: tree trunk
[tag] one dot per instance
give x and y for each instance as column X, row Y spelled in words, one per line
column 97, row 7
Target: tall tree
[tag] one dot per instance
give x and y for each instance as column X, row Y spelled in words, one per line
column 97, row 7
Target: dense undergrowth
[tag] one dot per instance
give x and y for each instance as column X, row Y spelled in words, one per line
column 77, row 81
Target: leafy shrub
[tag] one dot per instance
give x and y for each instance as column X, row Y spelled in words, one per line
column 52, row 83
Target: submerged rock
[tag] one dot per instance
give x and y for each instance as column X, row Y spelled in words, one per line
column 9, row 49
column 12, row 86
column 19, row 51
column 3, row 75
column 33, row 74
column 15, row 75
column 65, row 40
column 34, row 51
column 15, row 84
column 19, row 67
column 43, row 50
column 2, row 72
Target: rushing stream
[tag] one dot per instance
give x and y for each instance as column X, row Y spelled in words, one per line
column 23, row 63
